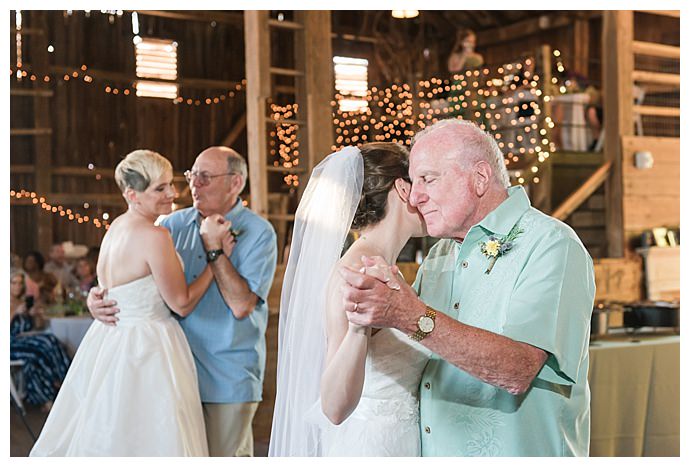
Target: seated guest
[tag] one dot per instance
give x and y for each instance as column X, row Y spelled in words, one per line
column 86, row 274
column 33, row 268
column 45, row 361
column 92, row 254
column 15, row 261
column 59, row 267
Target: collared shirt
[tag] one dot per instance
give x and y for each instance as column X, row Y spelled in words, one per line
column 230, row 353
column 540, row 292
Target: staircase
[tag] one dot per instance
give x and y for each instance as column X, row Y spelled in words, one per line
column 589, row 221
column 578, row 194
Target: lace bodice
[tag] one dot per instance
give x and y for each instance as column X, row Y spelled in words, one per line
column 386, row 420
column 394, row 367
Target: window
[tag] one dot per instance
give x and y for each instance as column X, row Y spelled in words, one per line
column 156, row 59
column 351, row 82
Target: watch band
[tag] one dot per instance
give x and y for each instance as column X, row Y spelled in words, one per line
column 418, row 335
column 213, row 255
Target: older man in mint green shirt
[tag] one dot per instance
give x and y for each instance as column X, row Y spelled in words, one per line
column 539, row 292
column 504, row 301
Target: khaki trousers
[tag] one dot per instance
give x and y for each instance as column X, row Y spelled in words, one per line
column 229, row 429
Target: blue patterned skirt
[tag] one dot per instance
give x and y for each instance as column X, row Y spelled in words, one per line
column 45, row 360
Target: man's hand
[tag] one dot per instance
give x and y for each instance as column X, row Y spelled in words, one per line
column 101, row 309
column 370, row 302
column 213, row 229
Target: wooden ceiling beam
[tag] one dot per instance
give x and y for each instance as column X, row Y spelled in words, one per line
column 235, row 18
column 126, row 77
column 523, row 28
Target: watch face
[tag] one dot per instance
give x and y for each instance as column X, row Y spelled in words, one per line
column 425, row 324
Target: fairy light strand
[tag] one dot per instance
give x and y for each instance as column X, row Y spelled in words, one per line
column 68, row 214
column 81, row 74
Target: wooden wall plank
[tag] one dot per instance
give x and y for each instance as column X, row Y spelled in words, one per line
column 651, row 197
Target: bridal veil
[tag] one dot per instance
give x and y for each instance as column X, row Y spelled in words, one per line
column 322, row 222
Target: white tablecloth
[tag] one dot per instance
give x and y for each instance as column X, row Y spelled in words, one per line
column 635, row 384
column 70, row 330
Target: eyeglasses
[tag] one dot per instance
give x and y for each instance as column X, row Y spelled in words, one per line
column 203, row 177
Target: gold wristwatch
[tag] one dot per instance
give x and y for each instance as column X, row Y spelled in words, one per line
column 425, row 324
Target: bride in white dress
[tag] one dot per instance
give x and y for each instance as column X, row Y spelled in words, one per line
column 345, row 390
column 131, row 389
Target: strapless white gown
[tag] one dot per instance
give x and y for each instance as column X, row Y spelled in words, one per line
column 131, row 389
column 386, row 420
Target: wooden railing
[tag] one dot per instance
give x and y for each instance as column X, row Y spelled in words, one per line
column 581, row 194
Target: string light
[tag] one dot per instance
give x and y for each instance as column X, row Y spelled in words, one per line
column 81, row 74
column 284, row 146
column 514, row 120
column 67, row 214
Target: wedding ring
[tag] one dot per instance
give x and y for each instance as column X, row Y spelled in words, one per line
column 356, row 305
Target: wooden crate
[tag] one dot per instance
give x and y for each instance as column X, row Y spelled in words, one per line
column 662, row 272
column 618, row 279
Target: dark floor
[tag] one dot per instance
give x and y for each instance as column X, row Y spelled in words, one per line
column 21, row 441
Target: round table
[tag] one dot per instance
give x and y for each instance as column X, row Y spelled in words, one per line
column 70, row 330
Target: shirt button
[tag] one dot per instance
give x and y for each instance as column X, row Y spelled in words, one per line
column 199, row 256
column 427, row 429
column 465, row 264
column 427, row 385
column 456, row 305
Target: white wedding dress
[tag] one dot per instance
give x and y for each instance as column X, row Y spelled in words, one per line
column 131, row 389
column 386, row 420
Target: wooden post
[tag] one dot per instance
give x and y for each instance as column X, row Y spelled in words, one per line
column 581, row 46
column 316, row 94
column 257, row 65
column 617, row 60
column 43, row 147
column 546, row 84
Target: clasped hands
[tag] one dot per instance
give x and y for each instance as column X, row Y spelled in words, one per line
column 375, row 295
column 216, row 235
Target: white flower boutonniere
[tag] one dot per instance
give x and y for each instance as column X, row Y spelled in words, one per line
column 495, row 247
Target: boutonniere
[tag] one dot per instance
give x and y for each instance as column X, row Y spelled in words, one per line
column 495, row 247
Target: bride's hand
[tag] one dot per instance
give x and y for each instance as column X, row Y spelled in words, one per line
column 377, row 267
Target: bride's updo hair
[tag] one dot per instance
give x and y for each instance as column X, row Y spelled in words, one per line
column 383, row 164
column 139, row 168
